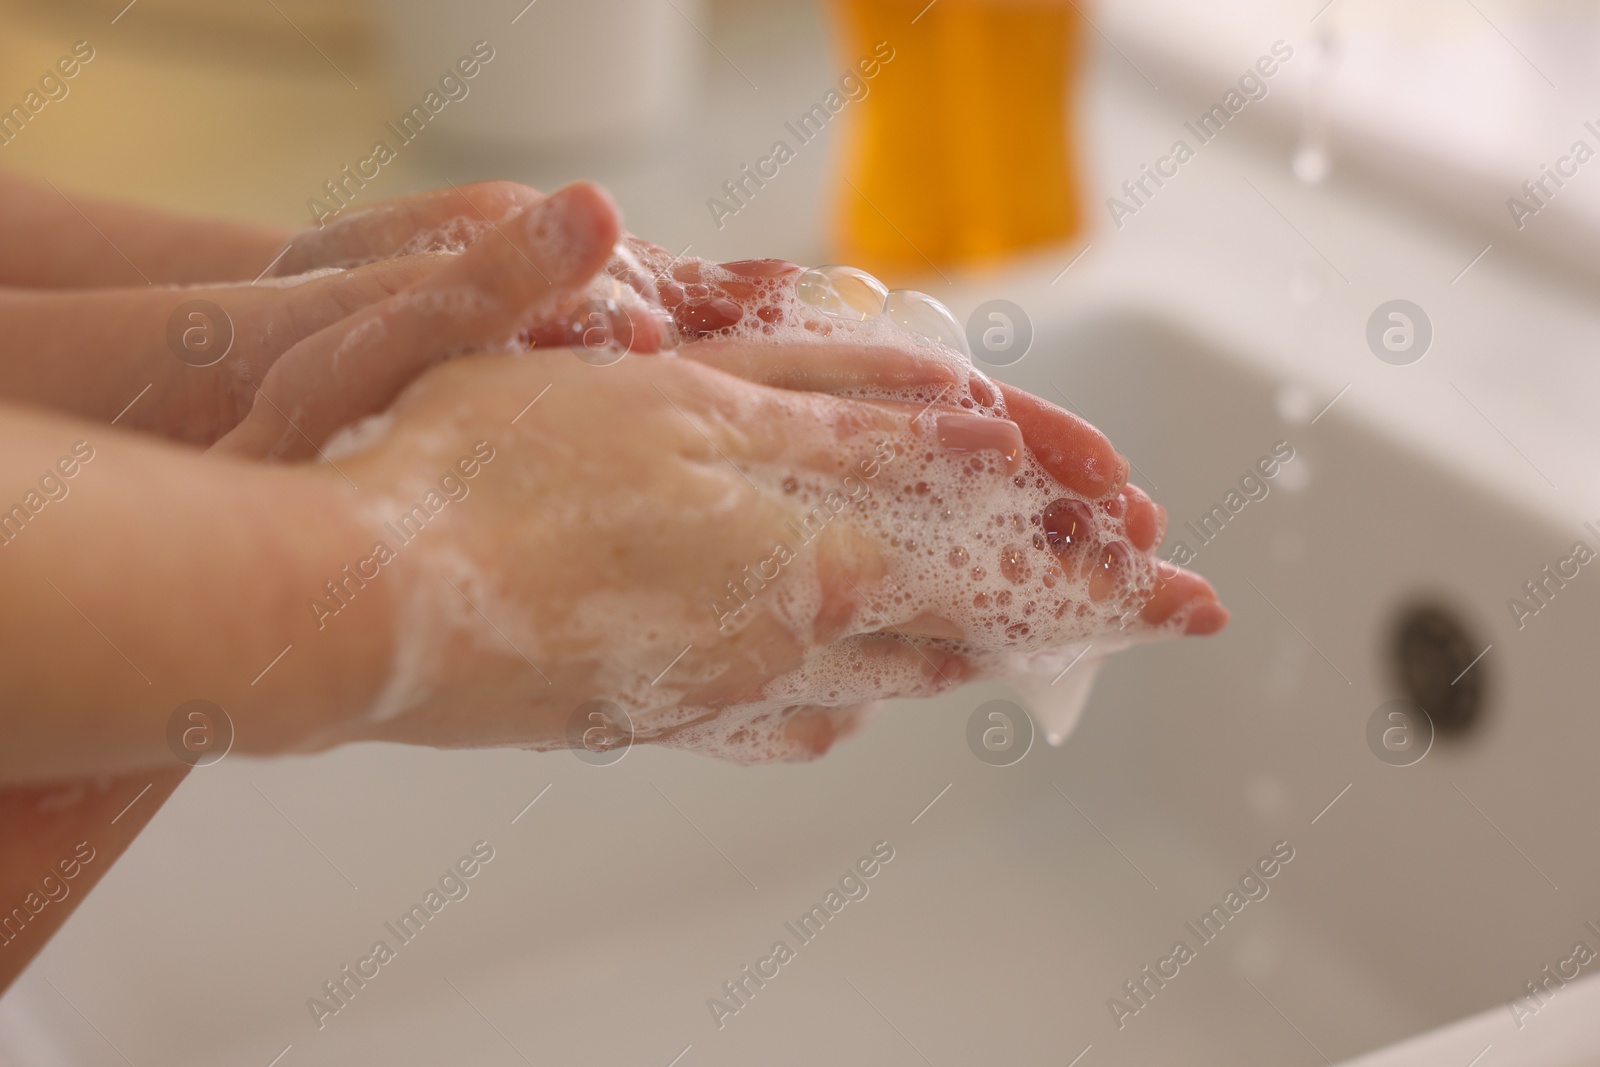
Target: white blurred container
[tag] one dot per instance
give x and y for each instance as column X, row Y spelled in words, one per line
column 567, row 76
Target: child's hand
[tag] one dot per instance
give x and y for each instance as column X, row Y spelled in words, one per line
column 308, row 356
column 439, row 220
column 522, row 284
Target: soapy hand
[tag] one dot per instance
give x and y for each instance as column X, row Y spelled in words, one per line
column 295, row 359
column 741, row 568
column 525, row 283
column 1071, row 560
column 439, row 220
column 941, row 525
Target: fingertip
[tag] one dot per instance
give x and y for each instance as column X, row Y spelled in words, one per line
column 569, row 236
column 1069, row 447
column 1146, row 521
column 812, row 732
column 1206, row 619
column 598, row 204
column 1121, row 475
column 953, row 669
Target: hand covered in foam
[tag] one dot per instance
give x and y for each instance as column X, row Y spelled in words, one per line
column 1005, row 543
column 439, row 220
column 532, row 281
column 741, row 567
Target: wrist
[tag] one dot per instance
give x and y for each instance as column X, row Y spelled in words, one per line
column 334, row 609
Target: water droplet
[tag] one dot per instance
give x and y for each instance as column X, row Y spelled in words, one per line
column 1295, row 404
column 1312, row 164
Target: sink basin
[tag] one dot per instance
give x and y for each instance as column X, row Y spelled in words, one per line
column 1020, row 901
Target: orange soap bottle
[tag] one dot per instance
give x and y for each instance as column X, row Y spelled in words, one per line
column 963, row 151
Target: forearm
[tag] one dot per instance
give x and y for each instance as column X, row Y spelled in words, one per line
column 92, row 352
column 162, row 576
column 50, row 241
column 60, row 840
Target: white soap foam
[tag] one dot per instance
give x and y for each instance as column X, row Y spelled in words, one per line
column 1008, row 559
column 1039, row 582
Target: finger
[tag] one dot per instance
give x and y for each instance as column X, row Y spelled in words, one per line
column 268, row 320
column 1144, row 520
column 358, row 366
column 827, row 367
column 812, row 729
column 825, row 433
column 450, row 218
column 963, row 432
column 290, row 315
column 1184, row 591
column 1074, row 452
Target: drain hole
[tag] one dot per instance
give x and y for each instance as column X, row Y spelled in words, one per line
column 1430, row 649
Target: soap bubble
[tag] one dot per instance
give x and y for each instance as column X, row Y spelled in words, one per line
column 617, row 304
column 844, row 292
column 923, row 316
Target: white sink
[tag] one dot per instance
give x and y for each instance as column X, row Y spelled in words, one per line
column 621, row 902
column 1021, row 900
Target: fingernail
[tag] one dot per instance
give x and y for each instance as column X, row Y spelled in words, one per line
column 976, row 433
column 564, row 231
column 760, row 268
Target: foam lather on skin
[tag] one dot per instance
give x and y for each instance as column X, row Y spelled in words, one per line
column 998, row 569
column 1035, row 583
column 1038, row 583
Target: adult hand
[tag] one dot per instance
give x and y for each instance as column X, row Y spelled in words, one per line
column 539, row 557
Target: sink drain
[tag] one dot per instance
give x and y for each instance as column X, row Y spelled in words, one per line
column 1430, row 651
